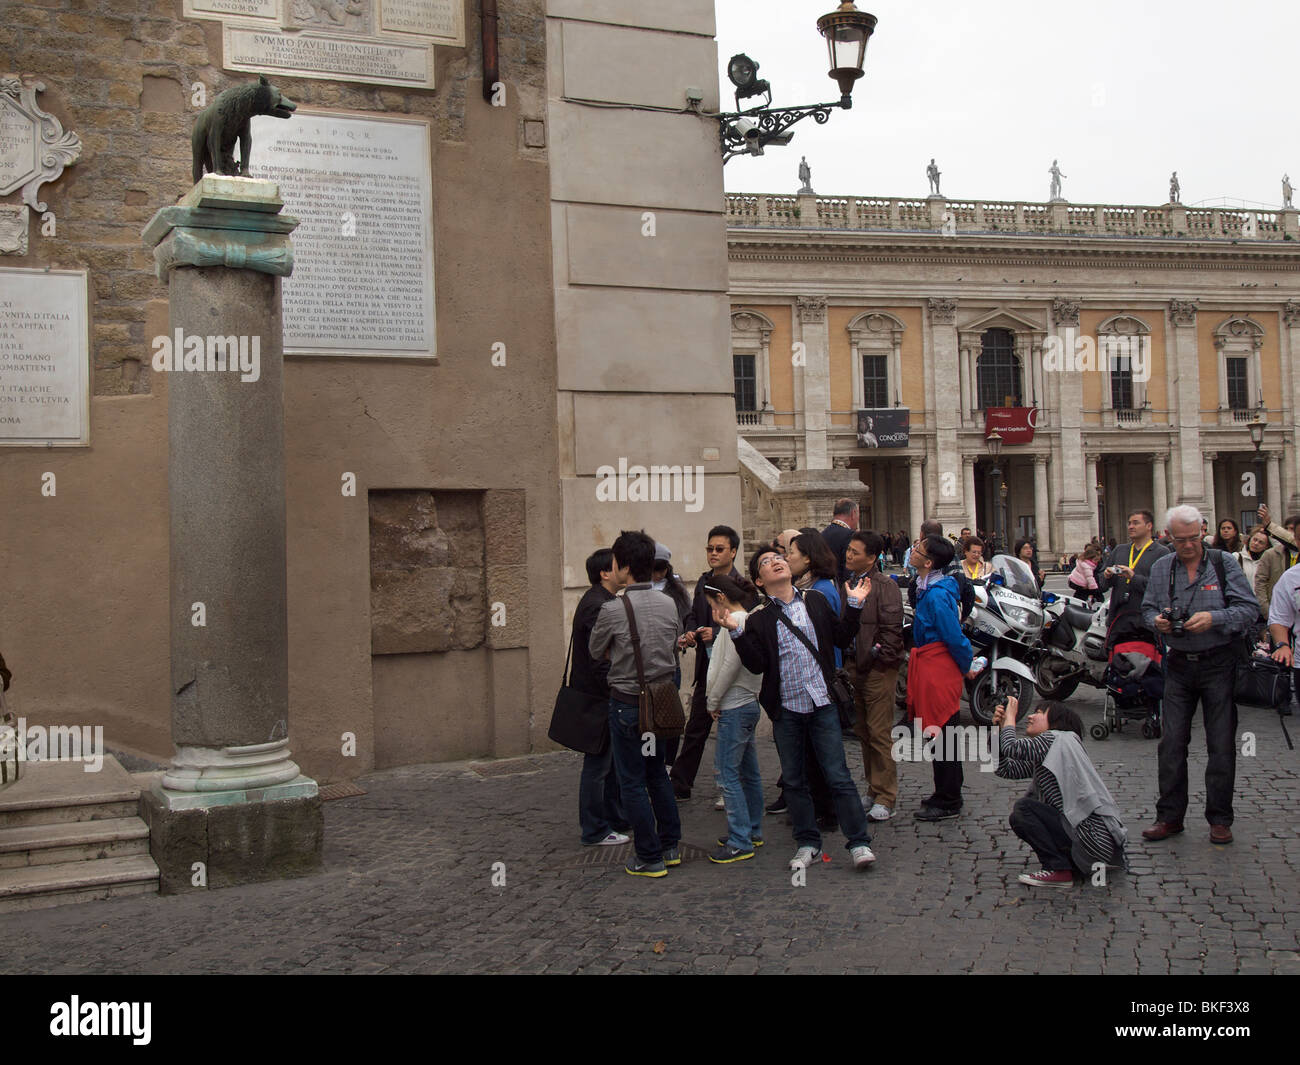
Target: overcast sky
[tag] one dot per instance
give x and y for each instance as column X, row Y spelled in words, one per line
column 1120, row 91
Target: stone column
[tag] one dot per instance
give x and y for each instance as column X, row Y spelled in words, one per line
column 1090, row 494
column 816, row 380
column 1273, row 459
column 915, row 495
column 968, row 489
column 1078, row 518
column 1159, row 493
column 1290, row 400
column 232, row 798
column 964, row 367
column 1041, row 519
column 1207, row 479
column 949, row 507
column 1185, row 402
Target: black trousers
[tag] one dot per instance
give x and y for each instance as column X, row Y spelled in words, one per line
column 1207, row 680
column 948, row 778
column 823, row 800
column 1040, row 826
column 687, row 763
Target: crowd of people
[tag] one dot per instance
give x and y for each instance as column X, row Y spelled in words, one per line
column 813, row 606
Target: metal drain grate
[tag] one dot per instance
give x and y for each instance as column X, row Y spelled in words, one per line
column 344, row 789
column 622, row 855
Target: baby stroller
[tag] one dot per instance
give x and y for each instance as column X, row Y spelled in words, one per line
column 1135, row 684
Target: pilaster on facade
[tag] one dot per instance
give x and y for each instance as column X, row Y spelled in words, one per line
column 813, row 379
column 1207, row 473
column 1191, row 484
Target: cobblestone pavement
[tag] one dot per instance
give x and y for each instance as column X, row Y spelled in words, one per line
column 407, row 888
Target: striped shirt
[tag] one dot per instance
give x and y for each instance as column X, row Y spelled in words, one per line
column 1020, row 759
column 803, row 688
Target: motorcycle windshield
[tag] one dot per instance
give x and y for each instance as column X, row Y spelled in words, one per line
column 1015, row 575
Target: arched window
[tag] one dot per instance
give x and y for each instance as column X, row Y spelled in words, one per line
column 1238, row 340
column 998, row 370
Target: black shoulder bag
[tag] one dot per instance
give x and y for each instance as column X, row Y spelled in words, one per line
column 580, row 720
column 838, row 686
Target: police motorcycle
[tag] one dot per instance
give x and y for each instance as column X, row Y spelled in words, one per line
column 1005, row 625
column 1073, row 650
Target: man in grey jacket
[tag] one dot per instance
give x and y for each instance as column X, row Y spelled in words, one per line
column 1201, row 622
column 648, row 802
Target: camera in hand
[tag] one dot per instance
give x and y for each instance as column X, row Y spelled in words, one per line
column 1177, row 618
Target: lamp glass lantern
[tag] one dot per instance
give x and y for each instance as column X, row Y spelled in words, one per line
column 1257, row 427
column 847, row 31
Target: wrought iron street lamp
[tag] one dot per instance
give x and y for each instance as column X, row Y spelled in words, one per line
column 847, row 31
column 994, row 443
column 1257, row 426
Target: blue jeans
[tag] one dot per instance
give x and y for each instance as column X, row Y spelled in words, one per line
column 648, row 801
column 600, row 805
column 820, row 731
column 736, row 763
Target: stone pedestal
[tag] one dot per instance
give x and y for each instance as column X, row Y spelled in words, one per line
column 807, row 497
column 232, row 799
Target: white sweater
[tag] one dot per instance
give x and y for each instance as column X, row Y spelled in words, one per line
column 729, row 684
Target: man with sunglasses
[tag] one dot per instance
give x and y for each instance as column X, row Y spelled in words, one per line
column 721, row 548
column 1202, row 622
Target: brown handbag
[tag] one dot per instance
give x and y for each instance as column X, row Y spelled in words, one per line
column 660, row 704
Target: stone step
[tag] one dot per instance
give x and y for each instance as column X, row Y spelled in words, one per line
column 40, row 886
column 72, row 841
column 59, row 792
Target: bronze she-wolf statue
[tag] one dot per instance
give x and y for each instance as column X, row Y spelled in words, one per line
column 229, row 118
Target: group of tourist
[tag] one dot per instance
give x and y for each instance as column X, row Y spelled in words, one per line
column 771, row 639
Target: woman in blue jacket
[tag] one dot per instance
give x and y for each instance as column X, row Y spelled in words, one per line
column 941, row 656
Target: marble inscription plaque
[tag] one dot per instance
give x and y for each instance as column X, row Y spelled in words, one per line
column 362, row 280
column 313, row 55
column 44, row 357
column 443, row 20
column 245, row 9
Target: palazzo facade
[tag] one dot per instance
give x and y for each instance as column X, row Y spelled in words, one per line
column 1137, row 343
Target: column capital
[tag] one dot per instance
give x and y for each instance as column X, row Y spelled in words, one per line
column 1040, row 460
column 969, row 460
column 811, row 309
column 1291, row 313
column 916, row 461
column 1065, row 311
column 1160, row 456
column 943, row 310
column 1209, row 456
column 1182, row 312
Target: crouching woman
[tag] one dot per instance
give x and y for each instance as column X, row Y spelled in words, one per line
column 1068, row 816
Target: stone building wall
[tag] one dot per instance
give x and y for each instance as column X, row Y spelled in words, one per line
column 83, row 612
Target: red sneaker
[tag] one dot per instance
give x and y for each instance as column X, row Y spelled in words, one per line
column 1048, row 878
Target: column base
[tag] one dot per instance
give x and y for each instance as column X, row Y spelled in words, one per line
column 216, row 839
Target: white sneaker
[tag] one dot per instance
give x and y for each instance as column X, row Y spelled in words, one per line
column 721, row 804
column 880, row 813
column 862, row 856
column 804, row 858
column 614, row 839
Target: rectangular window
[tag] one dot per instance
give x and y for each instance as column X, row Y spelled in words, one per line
column 1121, row 386
column 875, row 381
column 746, row 383
column 1238, row 393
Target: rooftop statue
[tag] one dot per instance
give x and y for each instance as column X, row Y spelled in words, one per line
column 932, row 172
column 229, row 118
column 1174, row 188
column 1055, row 171
column 1286, row 190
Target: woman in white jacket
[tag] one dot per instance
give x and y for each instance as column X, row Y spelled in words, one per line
column 732, row 699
